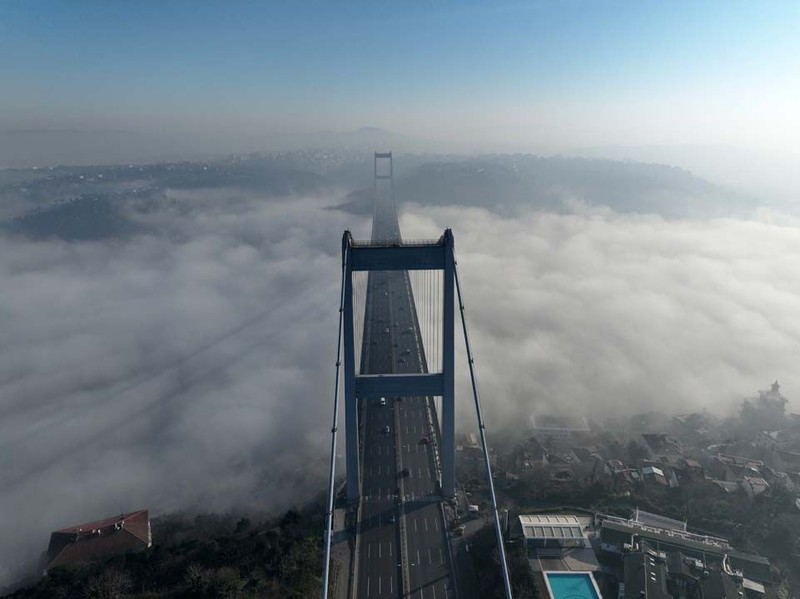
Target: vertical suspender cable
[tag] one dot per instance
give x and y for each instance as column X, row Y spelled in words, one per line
column 356, row 283
column 434, row 300
column 358, row 318
column 438, row 320
column 426, row 318
column 435, row 319
column 482, row 429
column 431, row 325
column 422, row 302
column 362, row 314
column 331, row 479
column 428, row 329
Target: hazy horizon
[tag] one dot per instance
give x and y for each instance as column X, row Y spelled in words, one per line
column 163, row 80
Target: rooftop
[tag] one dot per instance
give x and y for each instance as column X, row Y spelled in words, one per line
column 657, row 520
column 99, row 539
column 551, row 526
column 616, row 530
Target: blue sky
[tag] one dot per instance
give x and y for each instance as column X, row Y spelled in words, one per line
column 557, row 73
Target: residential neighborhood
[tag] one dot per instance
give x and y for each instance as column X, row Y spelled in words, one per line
column 693, row 505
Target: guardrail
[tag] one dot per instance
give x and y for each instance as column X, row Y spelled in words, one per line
column 446, row 534
column 357, row 542
column 434, row 441
column 398, row 453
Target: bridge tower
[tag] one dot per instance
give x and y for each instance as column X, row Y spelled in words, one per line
column 394, row 255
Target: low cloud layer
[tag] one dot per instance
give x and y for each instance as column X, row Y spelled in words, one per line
column 190, row 367
column 605, row 314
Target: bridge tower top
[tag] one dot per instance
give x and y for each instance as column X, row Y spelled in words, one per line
column 382, row 156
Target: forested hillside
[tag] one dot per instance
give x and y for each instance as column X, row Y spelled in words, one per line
column 207, row 556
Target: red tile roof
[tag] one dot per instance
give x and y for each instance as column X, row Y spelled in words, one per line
column 84, row 543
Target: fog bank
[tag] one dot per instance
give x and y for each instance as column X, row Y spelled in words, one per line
column 608, row 314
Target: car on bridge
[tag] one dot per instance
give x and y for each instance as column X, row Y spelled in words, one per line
column 385, row 430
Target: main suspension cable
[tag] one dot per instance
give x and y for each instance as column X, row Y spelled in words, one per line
column 482, row 429
column 334, row 428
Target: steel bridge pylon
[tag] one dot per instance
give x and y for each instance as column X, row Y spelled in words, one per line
column 393, row 256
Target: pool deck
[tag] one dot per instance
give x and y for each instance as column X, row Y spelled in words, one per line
column 577, row 559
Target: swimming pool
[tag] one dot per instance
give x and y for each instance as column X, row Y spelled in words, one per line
column 571, row 585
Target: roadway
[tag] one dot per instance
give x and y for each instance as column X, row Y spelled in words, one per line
column 400, row 515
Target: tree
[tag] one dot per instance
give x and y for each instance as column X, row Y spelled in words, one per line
column 111, row 584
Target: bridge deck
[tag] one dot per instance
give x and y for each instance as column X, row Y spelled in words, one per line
column 413, row 529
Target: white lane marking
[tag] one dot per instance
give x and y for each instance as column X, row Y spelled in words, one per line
column 379, row 550
column 369, row 550
column 430, row 558
column 390, row 549
column 415, row 526
column 367, row 586
column 379, row 585
column 434, row 592
column 391, row 588
column 441, row 556
column 436, row 524
column 426, row 524
column 418, row 561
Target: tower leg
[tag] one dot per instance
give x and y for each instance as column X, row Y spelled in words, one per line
column 350, row 403
column 448, row 372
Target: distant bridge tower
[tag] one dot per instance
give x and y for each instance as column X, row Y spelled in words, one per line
column 390, row 176
column 396, row 255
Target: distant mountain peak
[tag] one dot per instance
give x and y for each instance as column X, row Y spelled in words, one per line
column 372, row 130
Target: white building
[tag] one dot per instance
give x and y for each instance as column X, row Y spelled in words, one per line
column 552, row 530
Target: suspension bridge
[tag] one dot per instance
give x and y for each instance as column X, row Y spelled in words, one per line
column 397, row 336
